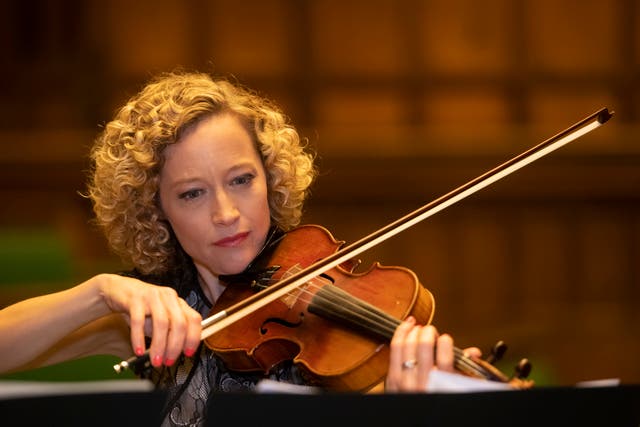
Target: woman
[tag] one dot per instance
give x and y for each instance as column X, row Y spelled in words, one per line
column 189, row 182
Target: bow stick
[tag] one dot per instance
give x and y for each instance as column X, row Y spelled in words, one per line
column 223, row 318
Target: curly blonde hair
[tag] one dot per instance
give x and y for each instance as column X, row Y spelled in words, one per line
column 127, row 158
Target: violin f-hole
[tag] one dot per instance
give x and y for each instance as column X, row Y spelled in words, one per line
column 264, row 328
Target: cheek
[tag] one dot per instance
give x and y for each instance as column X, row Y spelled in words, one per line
column 185, row 227
column 262, row 211
column 181, row 229
column 191, row 237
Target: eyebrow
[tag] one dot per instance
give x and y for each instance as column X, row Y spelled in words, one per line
column 231, row 170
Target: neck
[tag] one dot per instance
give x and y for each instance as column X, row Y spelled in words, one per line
column 210, row 284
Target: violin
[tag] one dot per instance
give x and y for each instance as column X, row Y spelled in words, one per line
column 337, row 326
column 306, row 303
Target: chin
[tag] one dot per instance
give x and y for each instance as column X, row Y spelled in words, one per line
column 236, row 267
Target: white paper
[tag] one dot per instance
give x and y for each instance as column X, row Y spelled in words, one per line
column 16, row 389
column 447, row 382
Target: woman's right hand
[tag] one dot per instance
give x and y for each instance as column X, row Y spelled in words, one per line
column 154, row 311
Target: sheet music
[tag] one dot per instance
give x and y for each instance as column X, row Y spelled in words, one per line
column 271, row 386
column 447, row 382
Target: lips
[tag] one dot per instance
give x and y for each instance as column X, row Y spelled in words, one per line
column 231, row 241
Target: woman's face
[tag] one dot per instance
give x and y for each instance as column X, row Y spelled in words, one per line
column 213, row 191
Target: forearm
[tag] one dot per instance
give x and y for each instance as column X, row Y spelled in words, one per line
column 30, row 328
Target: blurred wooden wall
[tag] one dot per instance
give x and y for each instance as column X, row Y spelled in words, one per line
column 404, row 100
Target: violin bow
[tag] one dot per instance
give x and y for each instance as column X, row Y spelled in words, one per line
column 223, row 318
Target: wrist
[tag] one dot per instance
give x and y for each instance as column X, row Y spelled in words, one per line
column 97, row 291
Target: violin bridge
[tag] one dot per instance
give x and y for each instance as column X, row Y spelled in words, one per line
column 291, row 298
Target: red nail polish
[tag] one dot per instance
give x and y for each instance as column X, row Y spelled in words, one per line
column 189, row 352
column 169, row 362
column 139, row 351
column 156, row 361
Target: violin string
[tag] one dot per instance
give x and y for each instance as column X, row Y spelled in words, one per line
column 330, row 301
column 344, row 304
column 358, row 309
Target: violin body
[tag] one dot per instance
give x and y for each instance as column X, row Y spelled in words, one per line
column 329, row 354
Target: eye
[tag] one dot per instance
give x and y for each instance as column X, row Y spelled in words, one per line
column 190, row 194
column 244, row 179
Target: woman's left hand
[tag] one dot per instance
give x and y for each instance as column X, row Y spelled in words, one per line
column 415, row 351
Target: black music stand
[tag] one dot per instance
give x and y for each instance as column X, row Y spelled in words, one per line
column 561, row 406
column 617, row 406
column 63, row 404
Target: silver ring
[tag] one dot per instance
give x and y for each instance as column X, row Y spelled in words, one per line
column 409, row 364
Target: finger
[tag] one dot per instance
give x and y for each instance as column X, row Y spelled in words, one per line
column 444, row 353
column 177, row 325
column 194, row 329
column 394, row 372
column 410, row 364
column 160, row 321
column 473, row 352
column 137, row 315
column 426, row 352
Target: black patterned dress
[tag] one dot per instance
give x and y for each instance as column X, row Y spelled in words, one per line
column 192, row 381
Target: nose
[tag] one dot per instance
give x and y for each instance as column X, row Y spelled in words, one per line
column 224, row 210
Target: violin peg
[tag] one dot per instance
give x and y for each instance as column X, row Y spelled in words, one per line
column 497, row 351
column 523, row 369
